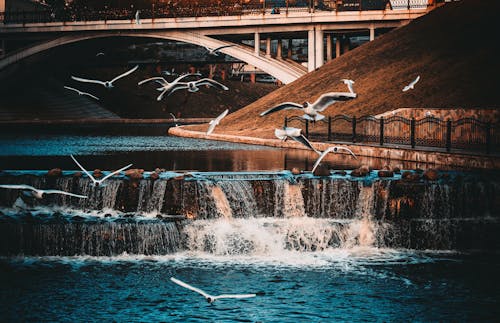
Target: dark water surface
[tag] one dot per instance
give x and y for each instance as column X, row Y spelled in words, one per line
column 345, row 285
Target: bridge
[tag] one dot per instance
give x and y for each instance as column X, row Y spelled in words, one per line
column 325, row 32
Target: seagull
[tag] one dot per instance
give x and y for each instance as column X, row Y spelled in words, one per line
column 210, row 298
column 175, row 119
column 98, row 182
column 349, row 84
column 329, row 150
column 81, row 92
column 216, row 51
column 311, row 110
column 137, row 19
column 99, row 54
column 168, row 86
column 412, row 84
column 106, row 84
column 194, row 86
column 216, row 121
column 38, row 193
column 295, row 134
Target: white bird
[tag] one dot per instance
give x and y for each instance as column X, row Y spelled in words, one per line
column 216, row 121
column 98, row 182
column 175, row 119
column 137, row 19
column 168, row 86
column 329, row 150
column 311, row 110
column 349, row 84
column 39, row 193
column 194, row 86
column 208, row 297
column 216, row 51
column 99, row 54
column 295, row 134
column 412, row 84
column 106, row 84
column 81, row 92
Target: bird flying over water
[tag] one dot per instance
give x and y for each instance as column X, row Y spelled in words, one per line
column 174, row 118
column 312, row 110
column 329, row 150
column 39, row 193
column 295, row 134
column 216, row 51
column 98, row 182
column 106, row 84
column 412, row 84
column 194, row 86
column 208, row 297
column 166, row 85
column 81, row 92
column 216, row 121
column 349, row 84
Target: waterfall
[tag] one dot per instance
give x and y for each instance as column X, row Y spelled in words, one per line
column 330, row 198
column 240, row 197
column 151, row 196
column 95, row 239
column 293, row 201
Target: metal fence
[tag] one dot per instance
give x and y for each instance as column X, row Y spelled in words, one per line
column 467, row 134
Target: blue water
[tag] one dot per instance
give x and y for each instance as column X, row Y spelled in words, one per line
column 369, row 285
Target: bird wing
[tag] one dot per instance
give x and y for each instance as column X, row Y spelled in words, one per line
column 156, row 78
column 87, row 80
column 161, row 95
column 194, row 289
column 280, row 134
column 88, row 94
column 64, row 193
column 282, row 106
column 303, row 140
column 184, row 76
column 113, row 173
column 406, row 88
column 18, row 187
column 327, row 99
column 233, row 296
column 178, row 86
column 415, row 81
column 125, row 74
column 211, row 127
column 222, row 115
column 173, row 116
column 72, row 89
column 320, row 158
column 83, row 169
column 348, row 150
column 207, row 81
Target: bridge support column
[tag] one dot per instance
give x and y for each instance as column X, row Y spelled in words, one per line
column 372, row 32
column 279, row 49
column 311, row 57
column 329, row 47
column 338, row 45
column 256, row 38
column 268, row 47
column 289, row 52
column 319, row 50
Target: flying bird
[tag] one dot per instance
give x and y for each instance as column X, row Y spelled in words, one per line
column 329, row 150
column 194, row 86
column 168, row 86
column 312, row 110
column 106, row 84
column 208, row 297
column 216, row 51
column 98, row 182
column 349, row 84
column 216, row 121
column 81, row 92
column 39, row 193
column 412, row 84
column 175, row 119
column 99, row 54
column 295, row 134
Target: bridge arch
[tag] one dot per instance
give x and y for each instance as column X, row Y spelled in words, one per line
column 283, row 71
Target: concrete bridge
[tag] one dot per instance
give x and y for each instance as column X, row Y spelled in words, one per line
column 325, row 32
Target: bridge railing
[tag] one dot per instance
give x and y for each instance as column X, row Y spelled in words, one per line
column 466, row 134
column 228, row 8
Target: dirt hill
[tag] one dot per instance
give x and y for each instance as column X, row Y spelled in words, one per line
column 453, row 49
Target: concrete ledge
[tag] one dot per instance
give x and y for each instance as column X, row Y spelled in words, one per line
column 411, row 155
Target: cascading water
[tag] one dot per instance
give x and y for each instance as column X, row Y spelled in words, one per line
column 151, row 196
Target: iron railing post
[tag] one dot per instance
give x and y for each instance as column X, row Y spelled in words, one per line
column 448, row 135
column 381, row 131
column 329, row 128
column 488, row 137
column 307, row 128
column 412, row 132
column 353, row 129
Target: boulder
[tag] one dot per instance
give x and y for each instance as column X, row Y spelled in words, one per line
column 410, row 176
column 154, row 176
column 431, row 175
column 54, row 172
column 340, row 172
column 360, row 172
column 296, row 171
column 97, row 173
column 77, row 174
column 385, row 173
column 396, row 170
column 321, row 170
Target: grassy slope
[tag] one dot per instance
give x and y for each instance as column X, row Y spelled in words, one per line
column 453, row 49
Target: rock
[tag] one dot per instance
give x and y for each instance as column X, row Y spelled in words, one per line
column 154, row 176
column 97, row 173
column 360, row 172
column 54, row 172
column 78, row 218
column 431, row 175
column 321, row 171
column 396, row 170
column 107, row 215
column 77, row 174
column 129, row 215
column 158, row 216
column 340, row 172
column 385, row 173
column 181, row 177
column 129, row 172
column 296, row 171
column 410, row 176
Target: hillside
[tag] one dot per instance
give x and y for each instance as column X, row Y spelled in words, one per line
column 453, row 49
